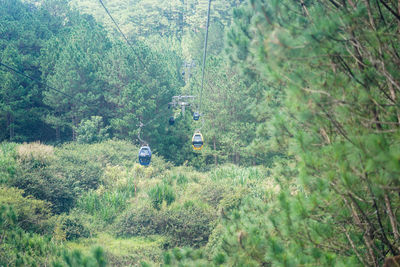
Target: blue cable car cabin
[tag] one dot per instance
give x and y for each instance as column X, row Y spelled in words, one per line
column 144, row 155
column 196, row 116
column 171, row 120
column 197, row 141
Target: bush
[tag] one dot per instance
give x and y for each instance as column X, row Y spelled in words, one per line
column 18, row 248
column 76, row 258
column 185, row 257
column 238, row 176
column 31, row 214
column 233, row 200
column 138, row 221
column 81, row 169
column 118, row 177
column 72, row 170
column 45, row 184
column 73, row 227
column 189, row 224
column 124, row 251
column 213, row 192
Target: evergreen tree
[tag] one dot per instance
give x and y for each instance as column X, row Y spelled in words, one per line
column 24, row 31
column 337, row 65
column 77, row 58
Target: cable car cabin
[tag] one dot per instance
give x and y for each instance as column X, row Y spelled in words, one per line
column 144, row 155
column 196, row 116
column 171, row 120
column 197, row 141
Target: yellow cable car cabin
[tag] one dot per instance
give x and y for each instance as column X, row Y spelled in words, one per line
column 197, row 141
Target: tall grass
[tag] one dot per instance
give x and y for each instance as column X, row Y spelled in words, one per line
column 105, row 205
column 256, row 181
column 182, row 179
column 160, row 193
column 36, row 151
column 237, row 175
column 8, row 164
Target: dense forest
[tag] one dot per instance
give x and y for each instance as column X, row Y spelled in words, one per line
column 299, row 113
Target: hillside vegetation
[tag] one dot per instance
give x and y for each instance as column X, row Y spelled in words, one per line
column 299, row 113
column 83, row 196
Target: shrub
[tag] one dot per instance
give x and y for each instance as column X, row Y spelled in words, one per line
column 19, row 248
column 81, row 169
column 73, row 170
column 111, row 152
column 125, row 251
column 73, row 227
column 45, row 184
column 237, row 175
column 213, row 245
column 213, row 192
column 189, row 224
column 58, row 179
column 76, row 258
column 185, row 257
column 31, row 214
column 119, row 177
column 233, row 200
column 138, row 221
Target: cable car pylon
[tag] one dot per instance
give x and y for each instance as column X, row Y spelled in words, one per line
column 182, row 101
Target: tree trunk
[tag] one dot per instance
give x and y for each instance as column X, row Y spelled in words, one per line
column 181, row 22
column 237, row 158
column 10, row 126
column 392, row 217
column 58, row 134
column 215, row 152
column 74, row 125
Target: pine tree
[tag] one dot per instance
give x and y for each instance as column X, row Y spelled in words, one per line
column 337, row 66
column 24, row 31
column 76, row 74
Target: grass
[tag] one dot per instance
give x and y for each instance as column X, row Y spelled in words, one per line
column 106, row 205
column 121, row 184
column 8, row 164
column 36, row 151
column 123, row 251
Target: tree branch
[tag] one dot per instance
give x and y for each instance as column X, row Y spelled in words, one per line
column 390, row 9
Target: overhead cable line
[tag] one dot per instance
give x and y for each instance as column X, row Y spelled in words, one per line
column 42, row 83
column 59, row 91
column 68, row 95
column 141, row 125
column 204, row 54
column 156, row 115
column 130, row 45
column 123, row 35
